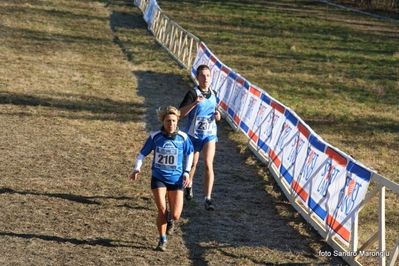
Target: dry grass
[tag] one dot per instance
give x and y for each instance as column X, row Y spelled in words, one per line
column 336, row 69
column 80, row 81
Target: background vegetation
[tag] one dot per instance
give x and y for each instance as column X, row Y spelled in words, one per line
column 338, row 70
column 79, row 83
column 387, row 5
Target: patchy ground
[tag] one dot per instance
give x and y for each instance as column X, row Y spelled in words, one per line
column 68, row 141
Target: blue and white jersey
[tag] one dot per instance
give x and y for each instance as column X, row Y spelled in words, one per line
column 201, row 120
column 169, row 154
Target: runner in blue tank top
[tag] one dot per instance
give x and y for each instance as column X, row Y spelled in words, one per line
column 199, row 104
column 169, row 177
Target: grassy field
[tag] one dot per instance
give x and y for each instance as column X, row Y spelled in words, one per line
column 79, row 84
column 338, row 70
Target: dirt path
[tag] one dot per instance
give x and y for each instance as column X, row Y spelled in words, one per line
column 66, row 154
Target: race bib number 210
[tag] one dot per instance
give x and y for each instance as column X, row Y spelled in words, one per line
column 166, row 158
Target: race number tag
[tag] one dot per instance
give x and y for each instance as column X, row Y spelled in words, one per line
column 205, row 126
column 166, row 158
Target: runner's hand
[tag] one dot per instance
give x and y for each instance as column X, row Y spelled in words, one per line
column 217, row 115
column 134, row 175
column 186, row 179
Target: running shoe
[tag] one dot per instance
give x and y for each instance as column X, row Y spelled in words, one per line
column 209, row 205
column 188, row 193
column 170, row 227
column 161, row 245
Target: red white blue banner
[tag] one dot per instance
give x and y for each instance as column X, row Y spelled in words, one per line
column 202, row 58
column 347, row 195
column 238, row 96
column 275, row 121
column 330, row 183
column 256, row 107
column 300, row 162
column 292, row 147
column 330, row 168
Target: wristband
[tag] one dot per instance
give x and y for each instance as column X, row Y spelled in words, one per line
column 188, row 172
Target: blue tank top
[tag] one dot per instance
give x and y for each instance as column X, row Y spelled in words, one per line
column 201, row 120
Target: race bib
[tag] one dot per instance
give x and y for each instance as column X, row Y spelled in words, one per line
column 205, row 126
column 166, row 158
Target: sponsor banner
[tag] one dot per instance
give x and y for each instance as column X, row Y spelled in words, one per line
column 299, row 164
column 215, row 71
column 225, row 90
column 276, row 120
column 150, row 13
column 221, row 82
column 291, row 146
column 262, row 123
column 253, row 113
column 212, row 61
column 202, row 58
column 330, row 167
column 347, row 194
column 237, row 99
column 316, row 157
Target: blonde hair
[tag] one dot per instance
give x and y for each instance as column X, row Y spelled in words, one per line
column 168, row 110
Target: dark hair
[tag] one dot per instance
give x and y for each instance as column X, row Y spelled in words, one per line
column 202, row 67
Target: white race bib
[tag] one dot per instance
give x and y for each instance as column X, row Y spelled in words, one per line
column 166, row 158
column 205, row 126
